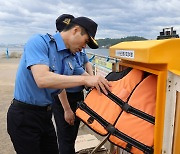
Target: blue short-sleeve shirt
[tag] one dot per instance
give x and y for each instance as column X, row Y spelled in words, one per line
column 81, row 59
column 45, row 50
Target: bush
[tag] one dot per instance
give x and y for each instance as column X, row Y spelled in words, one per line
column 11, row 55
column 15, row 55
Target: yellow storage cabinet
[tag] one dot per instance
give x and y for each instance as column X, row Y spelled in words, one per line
column 162, row 58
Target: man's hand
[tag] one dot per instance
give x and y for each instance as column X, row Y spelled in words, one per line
column 98, row 82
column 69, row 116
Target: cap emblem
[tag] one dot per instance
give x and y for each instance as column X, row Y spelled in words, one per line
column 67, row 21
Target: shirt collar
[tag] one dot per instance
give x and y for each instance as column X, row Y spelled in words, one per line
column 61, row 45
column 59, row 41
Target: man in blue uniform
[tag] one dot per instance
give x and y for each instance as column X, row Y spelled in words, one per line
column 45, row 68
column 64, row 110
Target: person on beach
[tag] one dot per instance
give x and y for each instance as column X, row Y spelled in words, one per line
column 7, row 53
column 64, row 110
column 45, row 69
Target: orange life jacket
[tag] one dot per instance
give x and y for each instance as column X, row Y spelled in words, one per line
column 126, row 113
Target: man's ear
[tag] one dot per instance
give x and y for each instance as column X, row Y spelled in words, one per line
column 76, row 29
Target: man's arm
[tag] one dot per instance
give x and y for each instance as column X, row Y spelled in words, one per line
column 68, row 113
column 46, row 79
column 88, row 68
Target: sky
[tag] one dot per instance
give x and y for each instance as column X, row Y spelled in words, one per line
column 19, row 19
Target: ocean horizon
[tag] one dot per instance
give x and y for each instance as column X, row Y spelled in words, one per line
column 103, row 52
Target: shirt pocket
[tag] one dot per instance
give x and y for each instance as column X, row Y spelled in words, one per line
column 53, row 65
column 68, row 67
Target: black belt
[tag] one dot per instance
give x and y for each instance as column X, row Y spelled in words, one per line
column 74, row 94
column 30, row 106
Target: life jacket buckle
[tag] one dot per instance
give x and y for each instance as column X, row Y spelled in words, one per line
column 90, row 120
column 82, row 105
column 110, row 128
column 126, row 107
column 128, row 147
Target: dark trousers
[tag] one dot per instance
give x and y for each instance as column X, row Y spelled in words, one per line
column 31, row 129
column 66, row 133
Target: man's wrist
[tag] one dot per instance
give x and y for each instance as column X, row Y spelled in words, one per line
column 67, row 109
column 84, row 80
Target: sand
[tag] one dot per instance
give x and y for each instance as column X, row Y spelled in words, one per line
column 8, row 69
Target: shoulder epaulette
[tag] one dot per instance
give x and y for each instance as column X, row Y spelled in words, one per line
column 51, row 37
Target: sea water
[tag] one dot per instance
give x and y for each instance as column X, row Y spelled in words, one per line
column 103, row 52
column 11, row 49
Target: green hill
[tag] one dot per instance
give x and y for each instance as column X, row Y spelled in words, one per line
column 107, row 42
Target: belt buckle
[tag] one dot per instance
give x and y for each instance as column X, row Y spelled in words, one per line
column 48, row 108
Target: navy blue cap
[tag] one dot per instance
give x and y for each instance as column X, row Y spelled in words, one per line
column 63, row 20
column 90, row 26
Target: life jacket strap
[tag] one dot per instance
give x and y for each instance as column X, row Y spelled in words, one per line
column 92, row 114
column 129, row 109
column 133, row 142
column 142, row 115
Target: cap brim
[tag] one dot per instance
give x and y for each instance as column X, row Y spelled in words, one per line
column 93, row 43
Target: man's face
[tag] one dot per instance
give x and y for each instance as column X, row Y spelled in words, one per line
column 78, row 40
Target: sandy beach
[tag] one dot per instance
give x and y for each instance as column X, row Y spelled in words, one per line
column 8, row 68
